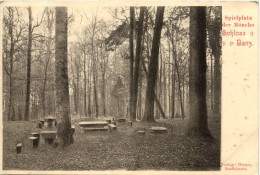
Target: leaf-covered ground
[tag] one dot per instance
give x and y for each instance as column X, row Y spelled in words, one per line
column 121, row 149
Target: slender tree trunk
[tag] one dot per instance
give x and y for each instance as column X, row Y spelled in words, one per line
column 153, row 67
column 64, row 135
column 85, row 85
column 157, row 102
column 198, row 125
column 217, row 86
column 131, row 49
column 28, row 91
column 214, row 30
column 104, row 92
column 137, row 61
column 140, row 93
column 50, row 22
column 211, row 84
column 173, row 92
column 45, row 81
column 10, row 113
column 89, row 88
column 96, row 86
column 179, row 84
column 164, row 89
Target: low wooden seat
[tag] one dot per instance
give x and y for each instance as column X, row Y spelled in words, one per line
column 93, row 124
column 157, row 129
column 141, row 132
column 72, row 129
column 121, row 120
column 112, row 127
column 114, row 123
column 34, row 141
column 19, row 148
column 95, row 129
column 40, row 125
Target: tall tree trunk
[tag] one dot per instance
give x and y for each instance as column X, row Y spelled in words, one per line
column 85, row 85
column 96, row 84
column 10, row 105
column 211, row 85
column 198, row 125
column 214, row 30
column 104, row 91
column 64, row 135
column 75, row 98
column 137, row 61
column 28, row 91
column 173, row 92
column 89, row 88
column 164, row 89
column 217, row 86
column 131, row 64
column 140, row 95
column 157, row 102
column 179, row 83
column 153, row 67
column 50, row 21
column 45, row 81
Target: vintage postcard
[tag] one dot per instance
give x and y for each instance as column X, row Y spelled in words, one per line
column 121, row 87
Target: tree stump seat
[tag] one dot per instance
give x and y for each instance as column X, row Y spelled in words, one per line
column 34, row 141
column 157, row 129
column 49, row 136
column 40, row 125
column 72, row 129
column 35, row 134
column 141, row 132
column 19, row 148
column 42, row 121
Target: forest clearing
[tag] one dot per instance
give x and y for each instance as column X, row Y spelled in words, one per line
column 123, row 149
column 131, row 88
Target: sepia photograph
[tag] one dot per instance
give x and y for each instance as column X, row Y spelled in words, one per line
column 100, row 88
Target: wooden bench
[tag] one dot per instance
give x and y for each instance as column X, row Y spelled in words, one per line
column 94, row 126
column 114, row 123
column 157, row 129
column 121, row 120
column 112, row 127
column 49, row 136
column 95, row 129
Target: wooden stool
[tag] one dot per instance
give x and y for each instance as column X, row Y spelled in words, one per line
column 19, row 148
column 72, row 129
column 35, row 141
column 40, row 125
